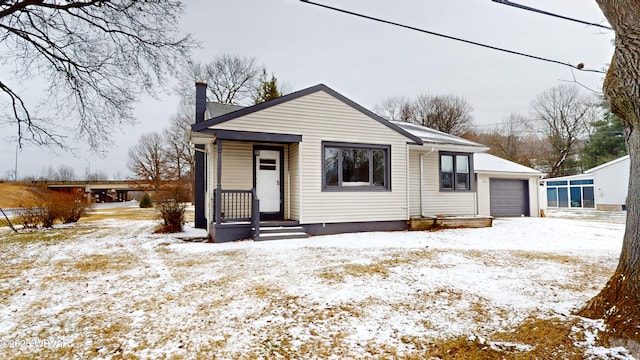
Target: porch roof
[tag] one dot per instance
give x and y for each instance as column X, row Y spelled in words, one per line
column 210, row 135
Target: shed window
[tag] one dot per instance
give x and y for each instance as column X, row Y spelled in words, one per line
column 355, row 167
column 455, row 172
column 572, row 193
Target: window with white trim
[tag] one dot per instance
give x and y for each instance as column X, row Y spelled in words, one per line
column 355, row 167
column 455, row 171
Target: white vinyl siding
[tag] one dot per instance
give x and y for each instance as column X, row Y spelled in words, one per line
column 237, row 169
column 210, row 184
column 434, row 201
column 294, row 182
column 611, row 183
column 321, row 117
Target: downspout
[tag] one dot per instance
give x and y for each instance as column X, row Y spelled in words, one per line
column 477, row 202
column 407, row 183
column 288, row 195
column 422, row 180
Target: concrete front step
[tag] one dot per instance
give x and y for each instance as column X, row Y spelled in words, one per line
column 282, row 236
column 281, row 229
column 281, row 233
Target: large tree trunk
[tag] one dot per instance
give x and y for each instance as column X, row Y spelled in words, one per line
column 619, row 302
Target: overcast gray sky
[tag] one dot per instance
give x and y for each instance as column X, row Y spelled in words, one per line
column 304, row 45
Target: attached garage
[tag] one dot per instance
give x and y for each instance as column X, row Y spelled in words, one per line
column 505, row 188
column 508, row 197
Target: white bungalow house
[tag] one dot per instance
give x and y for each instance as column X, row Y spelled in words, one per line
column 319, row 161
column 603, row 187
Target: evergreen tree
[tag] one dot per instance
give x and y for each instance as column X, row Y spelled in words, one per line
column 606, row 143
column 146, row 201
column 268, row 89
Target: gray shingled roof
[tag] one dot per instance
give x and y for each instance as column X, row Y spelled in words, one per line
column 432, row 136
column 216, row 109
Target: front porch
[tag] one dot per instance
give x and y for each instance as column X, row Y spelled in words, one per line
column 237, row 216
column 253, row 186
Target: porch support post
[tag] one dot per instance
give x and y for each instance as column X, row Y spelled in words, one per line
column 218, row 203
column 199, row 159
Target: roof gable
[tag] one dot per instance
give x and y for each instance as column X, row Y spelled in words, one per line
column 295, row 95
column 612, row 162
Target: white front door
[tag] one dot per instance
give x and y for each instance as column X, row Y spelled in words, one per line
column 268, row 180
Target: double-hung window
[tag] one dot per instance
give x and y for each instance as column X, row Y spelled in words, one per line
column 355, row 167
column 455, row 171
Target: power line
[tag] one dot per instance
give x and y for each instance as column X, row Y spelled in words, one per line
column 524, row 7
column 577, row 67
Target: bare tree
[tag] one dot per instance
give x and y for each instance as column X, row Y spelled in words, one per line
column 448, row 113
column 97, row 56
column 65, row 173
column 394, row 108
column 179, row 155
column 231, row 79
column 97, row 175
column 506, row 139
column 147, row 159
column 47, row 174
column 563, row 115
column 510, row 137
column 619, row 301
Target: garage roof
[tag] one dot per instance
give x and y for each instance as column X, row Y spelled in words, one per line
column 483, row 162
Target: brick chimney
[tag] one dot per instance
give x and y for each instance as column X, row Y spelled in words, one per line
column 201, row 100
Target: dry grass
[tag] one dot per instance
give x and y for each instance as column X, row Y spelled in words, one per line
column 82, row 267
column 45, row 236
column 147, row 300
column 130, row 213
column 533, row 339
column 377, row 267
column 13, row 195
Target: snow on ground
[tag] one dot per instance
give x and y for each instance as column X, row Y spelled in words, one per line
column 113, row 289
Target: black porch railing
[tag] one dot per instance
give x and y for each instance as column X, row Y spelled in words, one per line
column 237, row 206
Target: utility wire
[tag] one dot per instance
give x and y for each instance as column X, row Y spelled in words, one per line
column 577, row 67
column 524, row 7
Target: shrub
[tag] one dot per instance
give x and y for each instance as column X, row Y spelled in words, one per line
column 29, row 217
column 35, row 211
column 146, row 201
column 171, row 206
column 44, row 208
column 172, row 215
column 68, row 207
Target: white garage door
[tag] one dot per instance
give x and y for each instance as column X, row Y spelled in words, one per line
column 509, row 197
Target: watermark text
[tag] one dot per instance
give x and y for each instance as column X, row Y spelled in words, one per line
column 33, row 343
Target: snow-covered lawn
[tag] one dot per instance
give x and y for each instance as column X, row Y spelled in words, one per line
column 112, row 289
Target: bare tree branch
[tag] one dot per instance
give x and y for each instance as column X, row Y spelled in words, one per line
column 563, row 115
column 98, row 56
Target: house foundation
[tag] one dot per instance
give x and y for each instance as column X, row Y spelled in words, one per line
column 437, row 222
